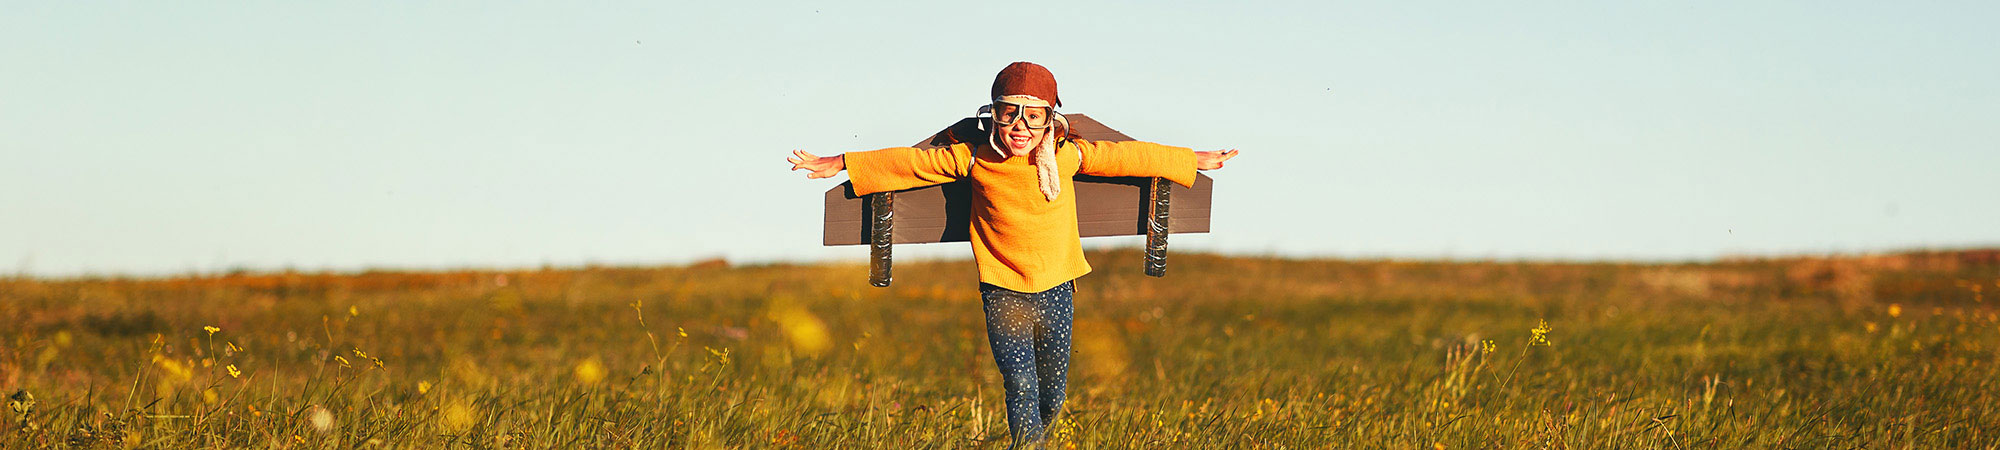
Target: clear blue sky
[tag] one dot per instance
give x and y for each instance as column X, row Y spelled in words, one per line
column 163, row 138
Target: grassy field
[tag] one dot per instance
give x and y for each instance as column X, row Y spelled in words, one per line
column 1892, row 351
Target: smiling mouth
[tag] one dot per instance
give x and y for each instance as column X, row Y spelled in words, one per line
column 1018, row 141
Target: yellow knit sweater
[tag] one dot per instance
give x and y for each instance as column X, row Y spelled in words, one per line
column 1020, row 240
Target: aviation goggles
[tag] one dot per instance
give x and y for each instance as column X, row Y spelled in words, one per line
column 1005, row 113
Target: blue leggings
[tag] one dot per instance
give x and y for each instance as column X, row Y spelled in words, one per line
column 1030, row 337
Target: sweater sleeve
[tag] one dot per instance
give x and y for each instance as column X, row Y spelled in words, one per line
column 1137, row 159
column 899, row 168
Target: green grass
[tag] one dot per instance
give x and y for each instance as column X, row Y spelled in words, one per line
column 1226, row 352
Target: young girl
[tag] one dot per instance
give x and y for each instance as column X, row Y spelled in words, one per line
column 1024, row 229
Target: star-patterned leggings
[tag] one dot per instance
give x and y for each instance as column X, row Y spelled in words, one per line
column 1030, row 337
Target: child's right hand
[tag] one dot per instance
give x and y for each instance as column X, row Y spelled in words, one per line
column 817, row 166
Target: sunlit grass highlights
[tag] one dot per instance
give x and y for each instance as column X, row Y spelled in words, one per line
column 1871, row 352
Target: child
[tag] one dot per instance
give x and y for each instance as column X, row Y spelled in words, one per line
column 1024, row 229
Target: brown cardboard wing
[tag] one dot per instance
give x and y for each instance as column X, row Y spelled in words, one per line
column 1105, row 206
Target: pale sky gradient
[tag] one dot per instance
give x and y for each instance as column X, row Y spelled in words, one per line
column 172, row 137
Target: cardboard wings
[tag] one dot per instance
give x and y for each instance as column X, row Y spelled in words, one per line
column 1105, row 206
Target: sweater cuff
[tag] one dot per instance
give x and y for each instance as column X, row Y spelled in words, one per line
column 1182, row 167
column 868, row 171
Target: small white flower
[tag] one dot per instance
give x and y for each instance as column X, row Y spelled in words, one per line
column 320, row 419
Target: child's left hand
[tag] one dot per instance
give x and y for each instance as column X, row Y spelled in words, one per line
column 1212, row 160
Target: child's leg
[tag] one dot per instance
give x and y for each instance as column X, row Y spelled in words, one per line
column 1010, row 328
column 1052, row 347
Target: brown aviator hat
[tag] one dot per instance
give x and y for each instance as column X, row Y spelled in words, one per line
column 1026, row 78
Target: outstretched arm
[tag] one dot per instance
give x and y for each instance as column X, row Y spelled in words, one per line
column 889, row 169
column 817, row 166
column 1146, row 159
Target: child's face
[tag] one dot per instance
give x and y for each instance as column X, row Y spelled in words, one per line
column 1019, row 136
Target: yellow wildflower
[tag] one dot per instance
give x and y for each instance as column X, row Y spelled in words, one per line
column 458, row 417
column 805, row 331
column 233, row 373
column 211, row 329
column 590, row 371
column 1540, row 333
